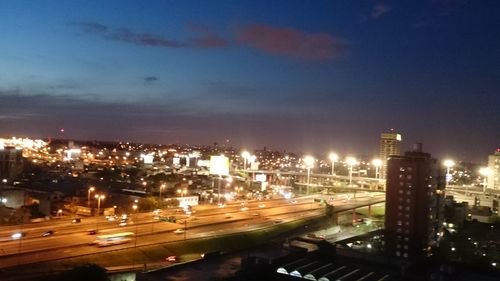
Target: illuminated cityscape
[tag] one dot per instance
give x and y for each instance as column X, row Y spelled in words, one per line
column 249, row 140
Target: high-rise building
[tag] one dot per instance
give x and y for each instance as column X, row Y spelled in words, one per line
column 11, row 162
column 389, row 145
column 494, row 166
column 414, row 207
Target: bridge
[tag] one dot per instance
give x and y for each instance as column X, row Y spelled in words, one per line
column 327, row 181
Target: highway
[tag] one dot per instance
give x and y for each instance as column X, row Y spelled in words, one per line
column 72, row 240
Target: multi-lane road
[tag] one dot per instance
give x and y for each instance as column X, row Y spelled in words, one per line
column 70, row 240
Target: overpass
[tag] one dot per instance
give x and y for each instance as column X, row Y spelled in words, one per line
column 325, row 180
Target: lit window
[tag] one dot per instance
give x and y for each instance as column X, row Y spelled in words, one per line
column 398, row 254
column 405, row 255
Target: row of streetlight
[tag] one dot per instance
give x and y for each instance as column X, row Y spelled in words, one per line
column 99, row 197
column 483, row 171
column 247, row 157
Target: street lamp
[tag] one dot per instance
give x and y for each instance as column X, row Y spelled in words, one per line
column 91, row 189
column 309, row 161
column 99, row 198
column 334, row 158
column 448, row 163
column 485, row 172
column 246, row 156
column 377, row 163
column 351, row 161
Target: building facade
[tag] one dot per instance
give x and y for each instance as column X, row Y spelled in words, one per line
column 11, row 162
column 389, row 145
column 494, row 166
column 414, row 204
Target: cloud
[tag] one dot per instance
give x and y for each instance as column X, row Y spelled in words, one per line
column 379, row 10
column 150, row 79
column 92, row 27
column 208, row 39
column 290, row 42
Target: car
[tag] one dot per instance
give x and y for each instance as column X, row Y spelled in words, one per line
column 77, row 220
column 179, row 231
column 278, row 220
column 48, row 233
column 18, row 235
column 227, row 216
column 91, row 232
column 171, row 259
column 244, row 209
column 255, row 214
column 221, row 205
column 294, row 202
column 211, row 255
column 262, row 205
column 123, row 223
column 112, row 218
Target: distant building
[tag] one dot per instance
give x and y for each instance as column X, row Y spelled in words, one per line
column 414, row 204
column 455, row 213
column 494, row 165
column 11, row 162
column 389, row 145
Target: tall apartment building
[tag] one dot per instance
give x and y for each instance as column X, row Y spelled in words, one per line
column 414, row 207
column 494, row 165
column 11, row 162
column 389, row 145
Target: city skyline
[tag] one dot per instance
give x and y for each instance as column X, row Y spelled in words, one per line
column 288, row 76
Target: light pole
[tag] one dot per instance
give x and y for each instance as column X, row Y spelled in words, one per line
column 485, row 172
column 3, row 200
column 246, row 155
column 162, row 187
column 309, row 161
column 334, row 158
column 99, row 198
column 91, row 189
column 448, row 163
column 351, row 161
column 377, row 163
column 134, row 207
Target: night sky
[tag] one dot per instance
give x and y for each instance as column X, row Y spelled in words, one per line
column 302, row 76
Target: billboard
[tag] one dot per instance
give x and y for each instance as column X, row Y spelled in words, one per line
column 219, row 165
column 261, row 177
column 148, row 159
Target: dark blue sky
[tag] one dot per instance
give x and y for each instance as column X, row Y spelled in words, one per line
column 305, row 76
